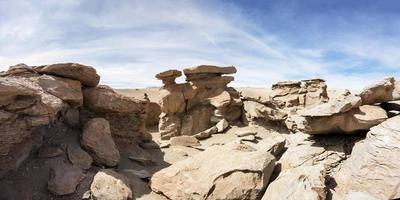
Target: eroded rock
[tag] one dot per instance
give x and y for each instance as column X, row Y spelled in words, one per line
column 64, row 179
column 110, row 185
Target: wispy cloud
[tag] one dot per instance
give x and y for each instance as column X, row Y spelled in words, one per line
column 130, row 41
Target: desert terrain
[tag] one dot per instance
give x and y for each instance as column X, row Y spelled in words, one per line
column 65, row 136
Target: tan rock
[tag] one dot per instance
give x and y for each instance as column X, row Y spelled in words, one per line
column 64, row 179
column 361, row 118
column 79, row 157
column 379, row 92
column 168, row 77
column 66, row 89
column 206, row 134
column 222, row 125
column 13, row 87
column 184, row 141
column 210, row 69
column 85, row 74
column 169, row 126
column 254, row 110
column 231, row 171
column 298, row 183
column 110, row 185
column 97, row 135
column 21, row 70
column 373, row 165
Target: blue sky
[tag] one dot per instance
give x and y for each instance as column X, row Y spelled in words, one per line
column 349, row 43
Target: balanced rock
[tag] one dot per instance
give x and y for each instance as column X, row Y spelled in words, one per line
column 64, row 179
column 95, row 137
column 209, row 69
column 85, row 74
column 168, row 77
column 373, row 167
column 232, row 171
column 110, row 185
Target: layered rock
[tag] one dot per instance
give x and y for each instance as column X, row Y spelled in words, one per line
column 126, row 115
column 194, row 106
column 373, row 166
column 233, row 172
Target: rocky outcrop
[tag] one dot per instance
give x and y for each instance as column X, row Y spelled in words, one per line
column 373, row 166
column 196, row 105
column 126, row 115
column 110, row 185
column 233, row 172
column 85, row 74
column 95, row 137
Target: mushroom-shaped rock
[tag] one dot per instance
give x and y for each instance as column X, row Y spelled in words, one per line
column 209, row 69
column 85, row 74
column 168, row 77
column 96, row 138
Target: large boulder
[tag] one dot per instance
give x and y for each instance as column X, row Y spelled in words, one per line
column 110, row 185
column 85, row 74
column 21, row 70
column 254, row 110
column 386, row 90
column 356, row 119
column 232, row 171
column 373, row 167
column 64, row 179
column 126, row 115
column 298, row 183
column 97, row 140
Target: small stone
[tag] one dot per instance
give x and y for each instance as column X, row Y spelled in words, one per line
column 207, row 133
column 87, row 195
column 243, row 133
column 222, row 125
column 248, row 138
column 165, row 144
column 149, row 145
column 184, row 140
column 110, row 185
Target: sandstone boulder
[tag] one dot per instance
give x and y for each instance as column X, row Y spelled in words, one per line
column 356, row 119
column 210, row 69
column 298, row 183
column 64, row 179
column 97, row 135
column 110, row 185
column 373, row 166
column 382, row 91
column 85, row 74
column 254, row 110
column 21, row 70
column 168, row 77
column 231, row 171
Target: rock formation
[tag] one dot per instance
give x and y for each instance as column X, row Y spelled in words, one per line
column 196, row 105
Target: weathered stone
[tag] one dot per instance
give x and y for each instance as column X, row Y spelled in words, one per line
column 254, row 110
column 301, row 182
column 169, row 126
column 209, row 69
column 66, row 89
column 222, row 125
column 64, row 179
column 97, row 135
column 379, row 92
column 143, row 160
column 110, row 185
column 85, row 74
column 153, row 114
column 361, row 118
column 168, row 77
column 21, row 70
column 373, row 166
column 243, row 133
column 206, row 134
column 231, row 171
column 13, row 87
column 184, row 141
column 71, row 117
column 79, row 157
column 143, row 174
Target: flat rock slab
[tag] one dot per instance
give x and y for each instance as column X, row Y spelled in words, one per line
column 184, row 141
column 210, row 69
